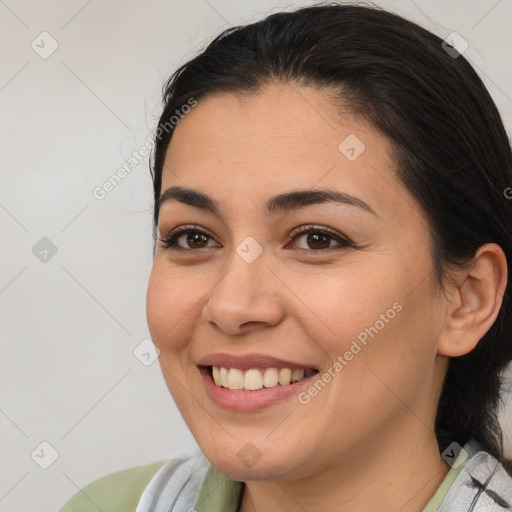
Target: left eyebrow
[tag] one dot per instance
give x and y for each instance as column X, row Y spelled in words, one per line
column 288, row 201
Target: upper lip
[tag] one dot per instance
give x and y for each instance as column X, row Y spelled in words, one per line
column 248, row 361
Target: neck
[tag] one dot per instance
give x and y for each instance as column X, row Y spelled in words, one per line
column 399, row 476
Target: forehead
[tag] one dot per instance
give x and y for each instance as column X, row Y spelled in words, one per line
column 283, row 137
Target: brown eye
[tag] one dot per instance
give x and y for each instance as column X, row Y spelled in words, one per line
column 317, row 240
column 194, row 239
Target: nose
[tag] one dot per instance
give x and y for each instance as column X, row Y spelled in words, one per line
column 247, row 296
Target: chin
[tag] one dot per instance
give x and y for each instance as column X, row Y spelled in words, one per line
column 251, row 464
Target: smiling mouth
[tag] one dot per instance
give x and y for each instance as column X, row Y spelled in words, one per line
column 255, row 379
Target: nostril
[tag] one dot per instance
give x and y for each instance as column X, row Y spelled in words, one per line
column 248, row 324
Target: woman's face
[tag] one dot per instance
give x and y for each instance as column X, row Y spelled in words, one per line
column 250, row 291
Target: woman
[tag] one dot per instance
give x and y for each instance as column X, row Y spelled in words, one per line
column 329, row 293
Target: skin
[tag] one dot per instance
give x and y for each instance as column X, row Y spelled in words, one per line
column 372, row 425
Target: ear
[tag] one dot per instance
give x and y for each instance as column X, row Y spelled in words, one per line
column 476, row 302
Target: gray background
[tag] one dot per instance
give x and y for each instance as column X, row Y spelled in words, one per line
column 70, row 323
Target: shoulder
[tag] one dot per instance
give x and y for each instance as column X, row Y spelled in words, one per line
column 483, row 483
column 123, row 490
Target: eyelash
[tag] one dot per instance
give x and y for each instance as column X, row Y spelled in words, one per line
column 168, row 240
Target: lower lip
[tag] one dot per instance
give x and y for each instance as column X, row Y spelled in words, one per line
column 241, row 400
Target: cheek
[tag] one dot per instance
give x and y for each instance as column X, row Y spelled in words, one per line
column 371, row 319
column 171, row 308
column 346, row 301
column 170, row 316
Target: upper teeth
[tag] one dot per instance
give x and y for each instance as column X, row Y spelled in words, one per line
column 255, row 378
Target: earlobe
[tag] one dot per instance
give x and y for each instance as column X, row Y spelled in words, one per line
column 477, row 302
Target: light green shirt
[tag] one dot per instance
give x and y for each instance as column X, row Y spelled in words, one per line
column 117, row 492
